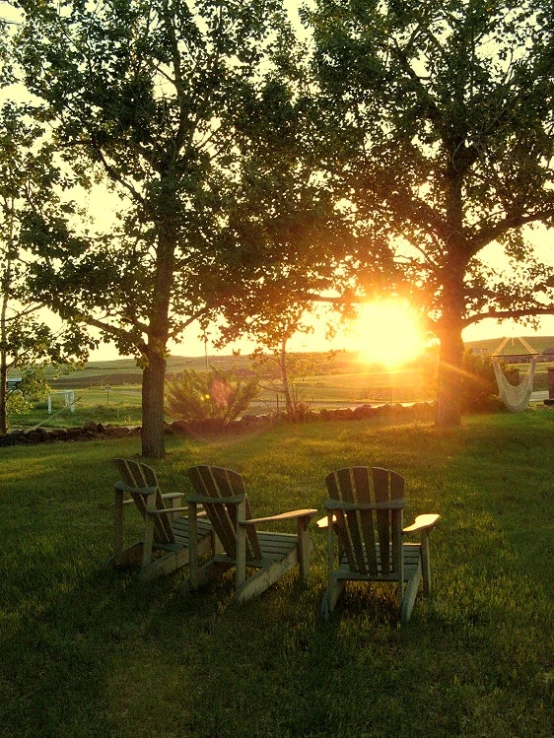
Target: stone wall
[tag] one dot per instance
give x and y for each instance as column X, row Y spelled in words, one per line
column 417, row 412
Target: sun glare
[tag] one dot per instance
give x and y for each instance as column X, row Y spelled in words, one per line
column 389, row 333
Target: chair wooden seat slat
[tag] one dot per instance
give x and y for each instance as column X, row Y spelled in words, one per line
column 365, row 514
column 181, row 529
column 222, row 494
column 164, row 546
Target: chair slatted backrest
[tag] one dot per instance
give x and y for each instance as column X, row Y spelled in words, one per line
column 219, row 483
column 370, row 538
column 137, row 474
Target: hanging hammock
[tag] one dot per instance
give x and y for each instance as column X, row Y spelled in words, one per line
column 515, row 397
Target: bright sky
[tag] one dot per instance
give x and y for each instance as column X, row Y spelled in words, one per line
column 386, row 335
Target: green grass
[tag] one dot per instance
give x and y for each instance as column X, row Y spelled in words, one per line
column 121, row 406
column 91, row 652
column 109, row 391
column 399, row 385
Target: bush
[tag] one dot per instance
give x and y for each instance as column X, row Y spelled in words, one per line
column 31, row 389
column 216, row 395
column 479, row 387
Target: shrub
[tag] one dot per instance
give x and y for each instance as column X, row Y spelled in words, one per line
column 215, row 395
column 479, row 387
column 31, row 389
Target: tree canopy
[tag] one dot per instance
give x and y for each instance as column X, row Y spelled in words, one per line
column 158, row 98
column 384, row 153
column 435, row 120
column 34, row 231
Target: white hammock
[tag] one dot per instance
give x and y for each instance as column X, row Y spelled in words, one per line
column 516, row 398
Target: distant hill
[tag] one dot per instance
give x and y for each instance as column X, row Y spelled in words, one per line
column 125, row 371
column 514, row 346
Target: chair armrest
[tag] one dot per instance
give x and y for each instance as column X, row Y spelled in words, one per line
column 291, row 515
column 423, row 523
column 122, row 487
column 172, row 511
column 167, row 511
column 323, row 522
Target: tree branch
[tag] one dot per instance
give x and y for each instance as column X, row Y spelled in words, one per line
column 489, row 234
column 507, row 314
column 113, row 174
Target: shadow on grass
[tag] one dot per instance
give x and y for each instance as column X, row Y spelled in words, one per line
column 107, row 655
column 93, row 653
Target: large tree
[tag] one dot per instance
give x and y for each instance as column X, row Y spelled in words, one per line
column 435, row 120
column 34, row 231
column 155, row 94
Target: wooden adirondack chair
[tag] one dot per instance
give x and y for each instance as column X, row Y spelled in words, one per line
column 164, row 546
column 369, row 529
column 222, row 494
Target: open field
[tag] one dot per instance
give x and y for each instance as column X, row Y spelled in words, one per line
column 87, row 652
column 109, row 391
column 120, row 404
column 121, row 371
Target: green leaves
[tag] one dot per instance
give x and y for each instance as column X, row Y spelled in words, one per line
column 34, row 236
column 439, row 118
column 157, row 94
column 434, row 121
column 216, row 395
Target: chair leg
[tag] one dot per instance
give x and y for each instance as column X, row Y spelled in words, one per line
column 118, row 528
column 240, row 575
column 193, row 547
column 211, row 570
column 305, row 547
column 410, row 594
column 148, row 540
column 426, row 564
column 131, row 556
column 332, row 594
column 264, row 578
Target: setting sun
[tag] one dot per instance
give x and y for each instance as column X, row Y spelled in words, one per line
column 389, row 332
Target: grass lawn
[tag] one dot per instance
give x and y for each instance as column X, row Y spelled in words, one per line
column 121, row 406
column 91, row 652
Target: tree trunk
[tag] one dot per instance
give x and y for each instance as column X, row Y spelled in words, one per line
column 153, row 377
column 153, row 382
column 3, row 394
column 449, row 401
column 448, row 412
column 5, row 287
column 285, row 380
